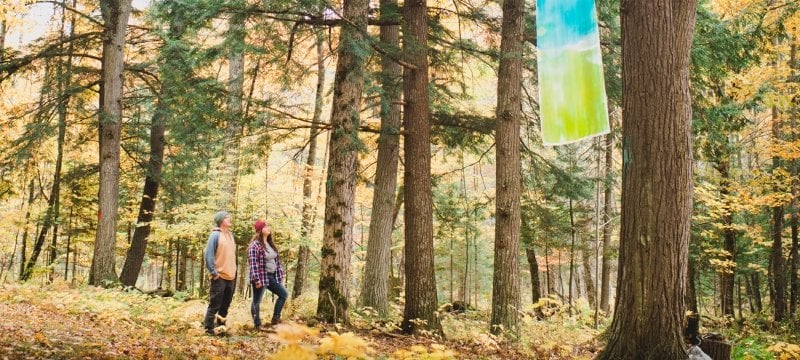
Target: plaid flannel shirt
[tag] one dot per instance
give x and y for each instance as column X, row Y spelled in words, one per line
column 257, row 261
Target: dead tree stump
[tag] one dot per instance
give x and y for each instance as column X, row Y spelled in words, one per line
column 716, row 347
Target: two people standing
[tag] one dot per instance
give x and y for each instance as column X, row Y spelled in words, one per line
column 266, row 271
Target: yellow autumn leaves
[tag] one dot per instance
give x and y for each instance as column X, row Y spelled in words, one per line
column 297, row 341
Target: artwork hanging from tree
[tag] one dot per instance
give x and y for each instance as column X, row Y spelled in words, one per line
column 572, row 94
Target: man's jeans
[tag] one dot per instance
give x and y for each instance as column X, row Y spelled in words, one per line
column 220, row 300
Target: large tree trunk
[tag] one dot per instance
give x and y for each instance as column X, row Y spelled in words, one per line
column 337, row 240
column 505, row 289
column 152, row 180
column 608, row 252
column 115, row 15
column 536, row 292
column 777, row 263
column 656, row 182
column 307, row 225
column 375, row 288
column 421, row 297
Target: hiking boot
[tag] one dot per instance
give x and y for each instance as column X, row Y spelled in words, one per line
column 220, row 320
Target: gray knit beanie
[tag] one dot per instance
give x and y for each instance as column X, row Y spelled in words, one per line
column 219, row 216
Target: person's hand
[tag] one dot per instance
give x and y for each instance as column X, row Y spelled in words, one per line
column 258, row 285
column 215, row 277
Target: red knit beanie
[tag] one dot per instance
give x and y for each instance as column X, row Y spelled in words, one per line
column 259, row 225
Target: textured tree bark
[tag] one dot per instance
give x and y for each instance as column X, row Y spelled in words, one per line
column 115, row 16
column 608, row 252
column 656, row 180
column 307, row 226
column 337, row 239
column 505, row 289
column 375, row 288
column 536, row 286
column 421, row 298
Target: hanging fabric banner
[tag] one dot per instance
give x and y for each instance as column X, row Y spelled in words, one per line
column 572, row 93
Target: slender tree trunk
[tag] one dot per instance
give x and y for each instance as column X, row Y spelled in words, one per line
column 726, row 276
column 115, row 16
column 505, row 289
column 235, row 87
column 24, row 245
column 608, row 252
column 793, row 253
column 739, row 294
column 182, row 258
column 334, row 289
column 3, row 31
column 591, row 292
column 571, row 254
column 375, row 289
column 65, row 85
column 152, row 180
column 756, row 288
column 536, row 285
column 421, row 297
column 69, row 239
column 656, row 212
column 64, row 74
column 691, row 288
column 777, row 262
column 308, row 203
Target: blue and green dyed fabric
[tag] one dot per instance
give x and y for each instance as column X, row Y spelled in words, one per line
column 572, row 94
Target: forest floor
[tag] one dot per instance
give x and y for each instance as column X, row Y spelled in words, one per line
column 64, row 322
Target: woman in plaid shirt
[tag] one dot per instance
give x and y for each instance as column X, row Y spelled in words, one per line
column 266, row 272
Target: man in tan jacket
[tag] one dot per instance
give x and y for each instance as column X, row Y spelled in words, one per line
column 220, row 259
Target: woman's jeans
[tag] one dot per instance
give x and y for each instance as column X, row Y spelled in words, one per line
column 255, row 307
column 276, row 288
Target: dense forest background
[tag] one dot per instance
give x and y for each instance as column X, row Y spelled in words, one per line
column 395, row 150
